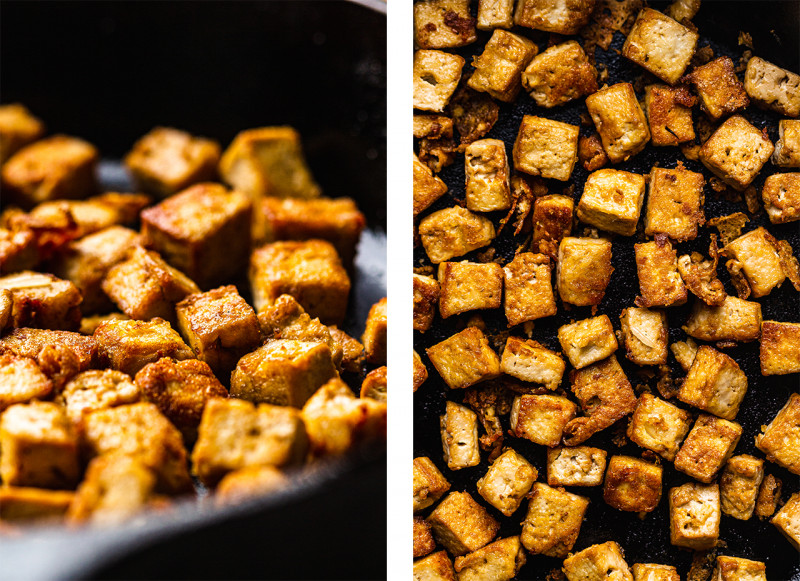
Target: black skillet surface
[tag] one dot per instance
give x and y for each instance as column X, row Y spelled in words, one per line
column 109, row 72
column 643, row 540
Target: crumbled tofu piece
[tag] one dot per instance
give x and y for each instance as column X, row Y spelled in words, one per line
column 435, row 567
column 578, row 466
column 780, row 348
column 436, row 76
column 420, row 371
column 739, row 485
column 715, row 383
column 734, row 320
column 462, row 525
column 694, row 514
column 487, row 175
column 500, row 561
column 584, row 270
column 531, row 361
column 546, row 148
column 467, row 286
column 660, row 45
column 18, row 128
column 528, row 290
column 167, row 160
column 42, row 300
column 443, row 24
column 632, row 485
column 768, row 496
column 619, row 120
column 31, row 343
column 772, row 87
column 707, row 447
column 612, row 200
column 553, row 521
column 660, row 283
column 787, row 148
column 97, row 389
column 552, row 221
column 541, row 418
column 427, row 187
column 429, row 483
column 644, row 334
column 736, row 152
column 781, row 195
column 598, row 563
column 454, row 232
column 780, row 440
column 375, row 384
column 559, row 16
column 21, row 380
column 352, row 350
column 787, row 520
column 423, row 539
column 249, row 481
column 465, row 359
column 588, row 341
column 720, row 90
column 374, row 338
column 669, row 114
column 675, row 203
column 560, row 74
column 495, row 14
column 684, row 352
column 20, row 504
column 738, row 569
column 426, row 296
column 459, row 428
column 659, row 426
column 507, row 482
column 432, row 126
column 654, row 572
column 757, row 256
column 498, row 68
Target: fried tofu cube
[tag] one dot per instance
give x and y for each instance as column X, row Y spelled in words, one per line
column 374, row 338
column 352, row 350
column 495, row 14
column 18, row 250
column 268, row 161
column 546, row 148
column 501, row 560
column 598, row 563
column 588, row 341
column 432, row 127
column 454, row 232
column 736, row 152
column 42, row 300
column 57, row 167
column 772, row 87
column 507, row 481
column 659, row 426
column 675, row 203
column 167, row 160
column 250, row 481
column 436, row 76
column 560, row 74
column 757, row 256
column 632, row 485
column 128, row 346
column 459, row 370
column 31, row 343
column 584, row 270
column 426, row 296
column 769, row 494
column 498, row 68
column 559, row 16
column 459, row 429
column 529, row 292
column 781, row 196
column 466, row 286
column 21, row 380
column 738, row 569
column 552, row 221
column 427, row 187
column 435, row 567
column 644, row 334
column 720, row 90
column 203, row 231
column 707, row 447
column 780, row 348
column 612, row 200
column 734, row 320
column 578, row 466
column 787, row 520
column 787, row 148
column 309, row 270
column 553, row 521
column 486, row 168
column 669, row 114
column 462, row 525
column 660, row 45
column 694, row 515
column 619, row 120
column 420, row 372
column 423, row 538
column 429, row 483
column 375, row 384
column 531, row 361
column 739, row 485
column 18, row 128
column 443, row 24
column 20, row 504
column 541, row 418
column 40, row 448
column 715, row 383
column 654, row 572
column 97, row 389
column 780, row 439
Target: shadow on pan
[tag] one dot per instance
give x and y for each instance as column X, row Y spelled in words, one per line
column 109, row 72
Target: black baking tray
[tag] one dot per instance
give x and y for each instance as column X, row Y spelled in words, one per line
column 774, row 27
column 111, row 71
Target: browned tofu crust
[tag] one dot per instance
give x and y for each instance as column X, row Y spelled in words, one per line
column 97, row 389
column 715, row 383
column 420, row 373
column 584, row 270
column 660, row 284
column 462, row 525
column 42, row 300
column 426, row 297
column 632, row 485
column 553, row 521
column 528, row 288
column 669, row 114
column 594, row 564
column 660, row 45
column 21, row 380
column 780, row 440
column 780, row 348
column 427, row 187
column 561, row 16
column 375, row 384
column 659, row 426
column 552, row 221
column 675, row 203
column 708, row 446
column 465, row 359
column 375, row 334
column 720, row 90
column 423, row 539
column 443, row 24
column 735, row 320
column 500, row 560
column 429, row 483
column 498, row 69
column 435, row 567
column 739, row 485
column 453, row 232
column 249, row 481
column 694, row 511
column 560, row 74
column 31, row 343
column 787, row 520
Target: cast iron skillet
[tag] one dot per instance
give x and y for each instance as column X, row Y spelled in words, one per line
column 774, row 27
column 109, row 72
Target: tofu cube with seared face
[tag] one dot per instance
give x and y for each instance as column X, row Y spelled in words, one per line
column 529, row 292
column 720, row 90
column 466, row 286
column 500, row 561
column 772, row 87
column 659, row 426
column 619, row 120
column 654, row 572
column 498, row 68
column 97, row 389
column 560, row 74
column 18, row 128
column 669, row 114
column 736, row 152
column 675, row 203
column 644, row 334
column 780, row 441
column 694, row 515
column 436, row 76
column 420, row 371
column 737, row 569
column 429, row 483
column 552, row 221
column 787, row 520
column 632, row 485
column 757, row 255
column 21, row 380
column 660, row 45
column 486, row 169
column 495, row 14
column 559, row 16
column 24, row 505
column 588, row 341
column 443, row 24
column 578, row 466
column 781, row 196
column 598, row 563
column 374, row 338
column 507, row 481
column 735, row 320
column 707, row 447
column 553, row 521
column 454, row 232
column 434, row 567
column 787, row 148
column 546, row 148
column 166, row 161
column 42, row 300
column 612, row 200
column 459, row 428
column 584, row 270
column 715, row 383
column 427, row 187
column 739, row 485
column 780, row 348
column 461, row 525
column 531, row 361
column 465, row 359
column 660, row 283
column 541, row 418
column 426, row 296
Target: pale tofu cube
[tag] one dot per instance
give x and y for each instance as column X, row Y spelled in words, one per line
column 42, row 300
column 787, row 520
column 560, row 74
column 738, row 569
column 707, row 447
column 756, row 254
column 24, row 505
column 495, row 14
column 423, row 538
column 375, row 334
column 500, row 561
column 612, row 200
column 427, row 187
column 486, row 169
column 462, row 525
column 546, row 148
column 736, row 152
column 588, row 341
column 97, row 389
column 552, row 221
column 787, row 148
column 660, row 283
column 420, row 373
column 739, row 485
column 426, row 297
column 659, row 426
column 720, row 90
column 632, row 485
column 772, row 87
column 734, row 320
column 619, row 120
column 694, row 515
column 598, row 563
column 559, row 16
column 507, row 481
column 781, row 196
column 443, row 24
column 528, row 290
column 654, row 572
column 435, row 567
column 780, row 440
column 454, row 232
column 669, row 114
column 541, row 418
column 780, row 348
column 553, row 521
column 531, row 361
column 498, row 68
column 436, row 76
column 21, row 380
column 465, row 359
column 459, row 428
column 429, row 483
column 584, row 270
column 578, row 466
column 644, row 335
column 660, row 45
column 675, row 203
column 715, row 383
column 468, row 286
column 18, row 128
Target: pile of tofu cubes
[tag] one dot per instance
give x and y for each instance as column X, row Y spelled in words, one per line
column 684, row 100
column 131, row 363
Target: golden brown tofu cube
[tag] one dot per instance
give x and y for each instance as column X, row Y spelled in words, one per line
column 559, row 16
column 781, row 195
column 669, row 114
column 598, row 563
column 707, row 447
column 268, row 161
column 787, row 520
column 21, row 380
column 459, row 429
column 531, row 361
column 780, row 440
column 578, row 466
column 675, row 203
column 53, row 168
column 432, row 127
column 375, row 384
column 427, row 187
column 429, row 483
column 420, row 371
column 632, row 485
column 32, row 342
column 660, row 45
column 552, row 221
column 24, row 505
column 659, row 426
column 436, row 76
column 435, row 567
column 443, row 24
column 467, row 286
column 167, row 160
column 250, row 481
column 553, row 521
column 756, row 255
column 374, row 338
column 42, row 300
column 423, row 539
column 454, row 232
column 426, row 296
column 612, row 200
column 654, row 572
column 495, row 14
column 734, row 320
column 219, row 326
column 546, row 148
column 780, row 348
column 715, row 383
column 235, row 434
column 720, row 90
column 736, row 152
column 588, row 341
column 772, row 87
column 18, row 128
column 541, row 418
column 528, row 290
column 738, row 569
column 768, row 496
column 619, row 120
column 694, row 515
column 97, row 389
column 560, row 74
column 282, row 372
column 498, row 68
column 787, row 148
column 486, row 169
column 40, row 448
column 584, row 270
column 128, row 346
column 507, row 481
column 352, row 351
column 739, row 485
column 18, row 250
column 465, row 359
column 501, row 561
column 644, row 334
column 461, row 525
